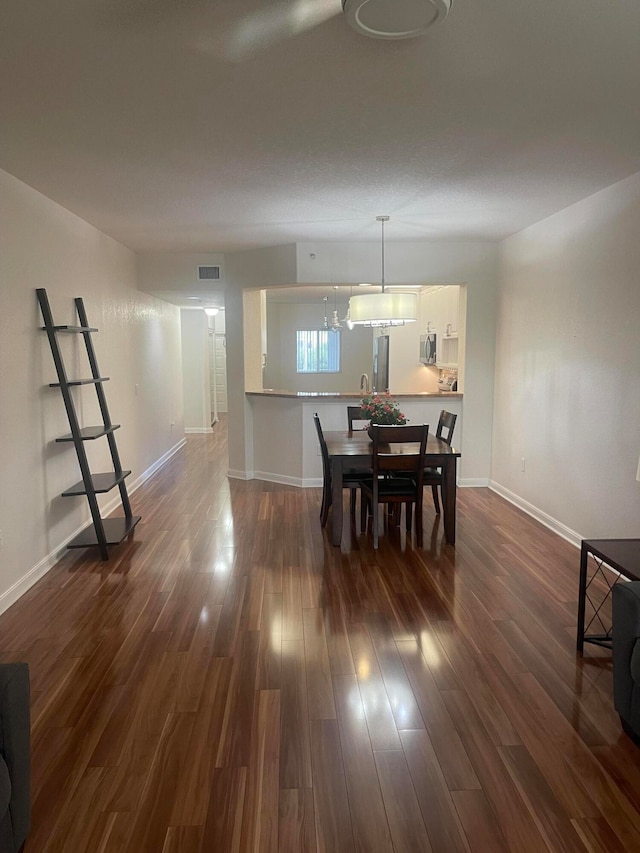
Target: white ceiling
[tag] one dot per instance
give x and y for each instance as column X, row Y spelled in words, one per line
column 152, row 121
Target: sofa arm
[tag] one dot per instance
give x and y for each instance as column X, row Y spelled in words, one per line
column 15, row 749
column 626, row 653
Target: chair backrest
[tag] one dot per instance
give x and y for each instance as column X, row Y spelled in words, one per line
column 355, row 413
column 446, row 423
column 385, row 459
column 326, row 468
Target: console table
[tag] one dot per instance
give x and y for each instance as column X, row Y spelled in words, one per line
column 622, row 555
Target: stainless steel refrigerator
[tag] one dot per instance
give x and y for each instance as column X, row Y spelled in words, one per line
column 381, row 364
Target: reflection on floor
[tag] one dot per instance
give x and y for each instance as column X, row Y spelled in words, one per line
column 229, row 681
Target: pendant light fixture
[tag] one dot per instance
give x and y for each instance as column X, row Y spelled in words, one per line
column 347, row 317
column 335, row 325
column 384, row 308
column 325, row 323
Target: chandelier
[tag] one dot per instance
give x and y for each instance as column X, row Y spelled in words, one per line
column 384, row 308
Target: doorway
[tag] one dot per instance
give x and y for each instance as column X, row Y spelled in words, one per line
column 217, row 373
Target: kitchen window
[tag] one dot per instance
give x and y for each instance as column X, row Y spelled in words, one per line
column 317, row 351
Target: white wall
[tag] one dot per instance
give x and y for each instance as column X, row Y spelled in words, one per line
column 138, row 346
column 568, row 365
column 255, row 268
column 407, row 374
column 283, row 320
column 195, row 370
column 167, row 274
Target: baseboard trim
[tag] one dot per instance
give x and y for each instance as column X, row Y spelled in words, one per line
column 281, row 479
column 547, row 520
column 474, row 483
column 198, row 430
column 237, row 474
column 23, row 584
column 11, row 595
column 151, row 470
column 313, row 483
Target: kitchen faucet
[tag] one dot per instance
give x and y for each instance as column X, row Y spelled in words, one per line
column 364, row 383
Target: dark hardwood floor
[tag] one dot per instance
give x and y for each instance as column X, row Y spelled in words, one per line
column 229, row 681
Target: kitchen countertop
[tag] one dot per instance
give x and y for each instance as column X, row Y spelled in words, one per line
column 306, row 395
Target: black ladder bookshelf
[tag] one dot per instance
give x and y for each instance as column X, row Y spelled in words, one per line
column 103, row 531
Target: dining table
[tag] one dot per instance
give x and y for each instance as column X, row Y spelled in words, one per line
column 354, row 450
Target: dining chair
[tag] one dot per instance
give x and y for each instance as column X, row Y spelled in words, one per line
column 351, row 478
column 406, row 489
column 354, row 413
column 433, row 476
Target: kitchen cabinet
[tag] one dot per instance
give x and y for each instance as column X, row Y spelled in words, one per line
column 447, row 351
column 450, row 303
column 429, row 310
column 447, row 341
column 439, row 309
column 432, row 310
column 439, row 313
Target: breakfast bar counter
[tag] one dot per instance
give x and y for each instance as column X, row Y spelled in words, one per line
column 322, row 395
column 285, row 445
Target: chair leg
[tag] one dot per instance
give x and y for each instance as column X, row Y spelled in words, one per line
column 436, row 502
column 324, row 509
column 352, row 506
column 376, row 516
column 364, row 506
column 419, row 537
column 408, row 510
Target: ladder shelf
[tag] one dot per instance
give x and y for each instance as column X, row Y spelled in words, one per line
column 103, row 532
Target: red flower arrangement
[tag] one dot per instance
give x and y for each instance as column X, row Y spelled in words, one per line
column 382, row 409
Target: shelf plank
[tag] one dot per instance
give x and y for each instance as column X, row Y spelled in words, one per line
column 72, row 329
column 93, row 381
column 101, row 483
column 90, row 433
column 116, row 529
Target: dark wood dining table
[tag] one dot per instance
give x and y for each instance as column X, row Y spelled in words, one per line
column 354, row 450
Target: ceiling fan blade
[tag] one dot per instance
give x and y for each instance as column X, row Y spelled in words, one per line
column 280, row 21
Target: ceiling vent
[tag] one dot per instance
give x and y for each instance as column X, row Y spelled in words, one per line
column 208, row 273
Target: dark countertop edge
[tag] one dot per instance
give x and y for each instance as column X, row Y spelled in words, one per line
column 337, row 395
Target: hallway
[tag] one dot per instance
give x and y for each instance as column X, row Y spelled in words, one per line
column 228, row 681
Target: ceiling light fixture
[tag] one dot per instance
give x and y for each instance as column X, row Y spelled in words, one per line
column 347, row 317
column 399, row 19
column 384, row 309
column 211, row 312
column 335, row 322
column 325, row 324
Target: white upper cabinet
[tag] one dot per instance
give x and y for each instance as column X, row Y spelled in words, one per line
column 450, row 309
column 439, row 313
column 439, row 307
column 430, row 310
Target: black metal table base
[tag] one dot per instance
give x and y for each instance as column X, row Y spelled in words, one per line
column 615, row 560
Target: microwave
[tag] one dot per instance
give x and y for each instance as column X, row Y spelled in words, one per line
column 428, row 348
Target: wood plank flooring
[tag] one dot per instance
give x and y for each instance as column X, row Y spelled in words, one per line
column 229, row 681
